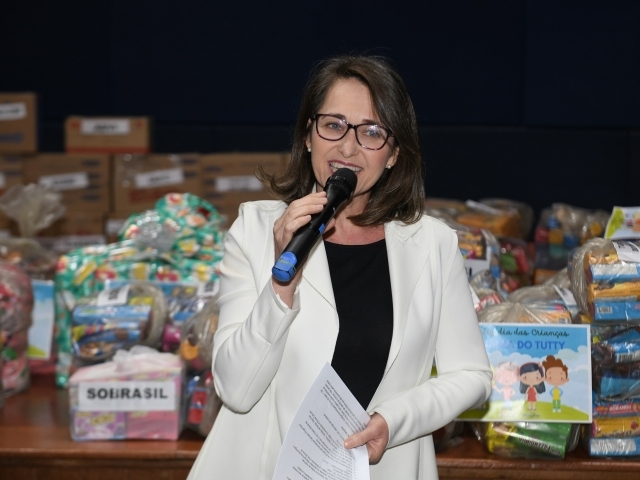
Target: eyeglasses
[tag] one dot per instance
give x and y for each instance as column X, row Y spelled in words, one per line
column 333, row 128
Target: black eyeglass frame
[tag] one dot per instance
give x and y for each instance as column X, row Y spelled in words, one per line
column 355, row 130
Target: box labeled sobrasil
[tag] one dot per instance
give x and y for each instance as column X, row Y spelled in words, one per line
column 136, row 395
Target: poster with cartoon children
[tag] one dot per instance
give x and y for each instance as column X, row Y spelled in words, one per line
column 541, row 373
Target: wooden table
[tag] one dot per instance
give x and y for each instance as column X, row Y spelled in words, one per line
column 35, row 445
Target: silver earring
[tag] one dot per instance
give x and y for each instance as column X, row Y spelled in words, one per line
column 388, row 167
column 309, row 150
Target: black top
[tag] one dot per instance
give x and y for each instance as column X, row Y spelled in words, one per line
column 362, row 290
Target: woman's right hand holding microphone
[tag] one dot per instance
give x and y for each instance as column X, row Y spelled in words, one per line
column 297, row 214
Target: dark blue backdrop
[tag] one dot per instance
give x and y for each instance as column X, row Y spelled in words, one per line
column 534, row 100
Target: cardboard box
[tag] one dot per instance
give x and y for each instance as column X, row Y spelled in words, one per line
column 18, row 123
column 76, row 223
column 10, row 172
column 235, row 172
column 229, row 179
column 227, row 204
column 107, row 135
column 140, row 180
column 83, row 180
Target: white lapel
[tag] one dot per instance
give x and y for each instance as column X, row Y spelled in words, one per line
column 316, row 273
column 407, row 253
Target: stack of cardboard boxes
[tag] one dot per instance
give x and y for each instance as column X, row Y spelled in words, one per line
column 108, row 172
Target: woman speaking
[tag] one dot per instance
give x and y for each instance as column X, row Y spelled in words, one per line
column 382, row 295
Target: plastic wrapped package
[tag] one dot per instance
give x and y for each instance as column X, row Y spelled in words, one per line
column 136, row 395
column 196, row 346
column 615, row 430
column 447, row 207
column 181, row 222
column 510, row 312
column 1, row 366
column 485, row 297
column 561, row 279
column 36, row 261
column 183, row 300
column 16, row 298
column 615, row 352
column 448, row 436
column 550, row 295
column 549, row 441
column 501, row 223
column 516, row 262
column 479, row 248
column 202, row 403
column 484, row 290
column 562, row 228
column 34, row 207
column 541, row 305
column 15, row 368
column 611, row 447
column 520, row 209
column 16, row 304
column 615, row 361
column 115, row 319
column 606, row 280
column 86, row 271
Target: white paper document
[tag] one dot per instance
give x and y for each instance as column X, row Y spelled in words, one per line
column 313, row 448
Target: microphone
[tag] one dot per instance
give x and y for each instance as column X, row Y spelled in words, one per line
column 339, row 188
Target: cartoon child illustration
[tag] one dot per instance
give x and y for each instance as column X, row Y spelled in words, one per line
column 531, row 382
column 507, row 374
column 556, row 374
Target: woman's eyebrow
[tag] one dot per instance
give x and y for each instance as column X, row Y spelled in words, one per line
column 364, row 120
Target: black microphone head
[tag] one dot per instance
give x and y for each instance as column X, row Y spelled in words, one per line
column 343, row 179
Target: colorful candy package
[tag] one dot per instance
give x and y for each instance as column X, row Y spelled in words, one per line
column 16, row 304
column 179, row 242
column 131, row 313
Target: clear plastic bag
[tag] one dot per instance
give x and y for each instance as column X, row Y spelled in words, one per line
column 511, row 312
column 615, row 362
column 500, row 222
column 606, row 282
column 561, row 279
column 196, row 345
column 202, row 403
column 34, row 207
column 102, row 326
column 549, row 441
column 563, row 228
column 16, row 305
column 522, row 210
column 16, row 299
column 516, row 262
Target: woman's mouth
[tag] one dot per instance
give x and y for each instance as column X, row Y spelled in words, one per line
column 336, row 165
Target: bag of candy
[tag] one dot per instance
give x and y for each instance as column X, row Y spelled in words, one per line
column 117, row 318
column 16, row 304
column 202, row 402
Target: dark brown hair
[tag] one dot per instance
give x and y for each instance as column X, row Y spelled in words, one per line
column 399, row 194
column 553, row 362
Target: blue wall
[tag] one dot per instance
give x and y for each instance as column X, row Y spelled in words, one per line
column 533, row 100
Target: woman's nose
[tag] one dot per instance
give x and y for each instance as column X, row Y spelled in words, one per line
column 349, row 143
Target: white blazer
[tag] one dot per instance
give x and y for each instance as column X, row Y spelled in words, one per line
column 266, row 355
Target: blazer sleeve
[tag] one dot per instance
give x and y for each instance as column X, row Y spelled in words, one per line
column 464, row 373
column 253, row 322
